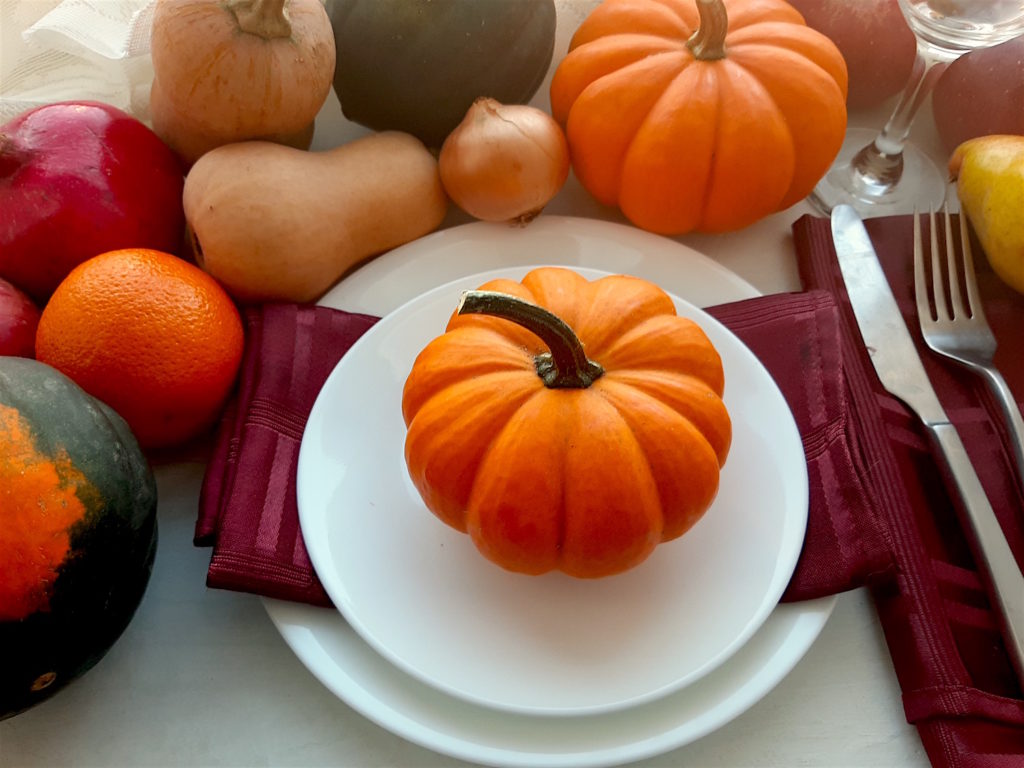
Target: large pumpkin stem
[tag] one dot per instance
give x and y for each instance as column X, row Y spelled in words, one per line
column 566, row 365
column 708, row 42
column 264, row 18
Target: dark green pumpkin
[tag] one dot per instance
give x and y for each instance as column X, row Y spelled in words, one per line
column 418, row 65
column 64, row 451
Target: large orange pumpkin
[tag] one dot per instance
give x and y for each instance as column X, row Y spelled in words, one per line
column 566, row 424
column 700, row 114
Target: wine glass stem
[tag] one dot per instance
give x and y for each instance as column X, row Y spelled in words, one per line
column 878, row 166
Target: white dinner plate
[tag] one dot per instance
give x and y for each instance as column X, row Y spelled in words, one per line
column 419, row 593
column 368, row 682
column 378, row 690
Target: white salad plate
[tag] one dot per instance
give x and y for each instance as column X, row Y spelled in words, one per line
column 451, row 652
column 420, row 594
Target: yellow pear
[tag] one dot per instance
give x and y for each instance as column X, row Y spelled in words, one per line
column 989, row 174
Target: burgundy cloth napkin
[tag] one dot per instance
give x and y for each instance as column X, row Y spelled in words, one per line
column 248, row 509
column 797, row 337
column 958, row 686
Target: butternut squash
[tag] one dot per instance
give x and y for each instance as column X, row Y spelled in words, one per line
column 274, row 223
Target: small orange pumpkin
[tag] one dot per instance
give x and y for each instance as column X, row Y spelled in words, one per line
column 566, row 424
column 700, row 115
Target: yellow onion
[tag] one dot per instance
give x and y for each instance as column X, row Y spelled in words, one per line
column 504, row 162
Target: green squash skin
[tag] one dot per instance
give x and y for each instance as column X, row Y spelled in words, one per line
column 101, row 583
column 418, row 65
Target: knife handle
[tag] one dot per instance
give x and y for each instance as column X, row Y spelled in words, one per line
column 992, row 548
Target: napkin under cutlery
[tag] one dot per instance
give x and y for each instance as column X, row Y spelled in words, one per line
column 958, row 685
column 879, row 515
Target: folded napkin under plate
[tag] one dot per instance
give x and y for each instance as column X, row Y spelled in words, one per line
column 878, row 515
column 247, row 506
column 248, row 509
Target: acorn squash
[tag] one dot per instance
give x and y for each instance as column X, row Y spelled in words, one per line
column 78, row 531
column 418, row 65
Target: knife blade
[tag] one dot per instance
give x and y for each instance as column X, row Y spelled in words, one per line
column 899, row 367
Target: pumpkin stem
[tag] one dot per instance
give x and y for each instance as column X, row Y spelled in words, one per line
column 566, row 365
column 708, row 42
column 264, row 18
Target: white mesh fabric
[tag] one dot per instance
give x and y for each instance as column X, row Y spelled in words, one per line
column 57, row 50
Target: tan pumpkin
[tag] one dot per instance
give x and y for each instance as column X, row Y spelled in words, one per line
column 575, row 430
column 231, row 70
column 191, row 143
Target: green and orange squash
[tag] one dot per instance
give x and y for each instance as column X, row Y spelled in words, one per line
column 78, row 531
column 566, row 424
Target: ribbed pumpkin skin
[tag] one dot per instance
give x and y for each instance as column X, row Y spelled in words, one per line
column 586, row 481
column 229, row 85
column 71, row 579
column 681, row 144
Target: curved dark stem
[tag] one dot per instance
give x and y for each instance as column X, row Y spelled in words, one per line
column 708, row 42
column 565, row 365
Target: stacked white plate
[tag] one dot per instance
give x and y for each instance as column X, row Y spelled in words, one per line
column 442, row 647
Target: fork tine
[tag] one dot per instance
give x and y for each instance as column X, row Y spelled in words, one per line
column 955, row 298
column 970, row 278
column 938, row 289
column 920, row 287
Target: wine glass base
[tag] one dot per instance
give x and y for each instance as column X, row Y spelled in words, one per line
column 922, row 185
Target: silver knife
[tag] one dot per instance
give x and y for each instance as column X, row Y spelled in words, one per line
column 902, row 374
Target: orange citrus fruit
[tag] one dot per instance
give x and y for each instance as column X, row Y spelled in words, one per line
column 151, row 335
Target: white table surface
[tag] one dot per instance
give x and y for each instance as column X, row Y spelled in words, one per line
column 202, row 678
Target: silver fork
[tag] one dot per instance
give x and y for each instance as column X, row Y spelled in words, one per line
column 958, row 329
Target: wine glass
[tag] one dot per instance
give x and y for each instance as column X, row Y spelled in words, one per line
column 881, row 173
